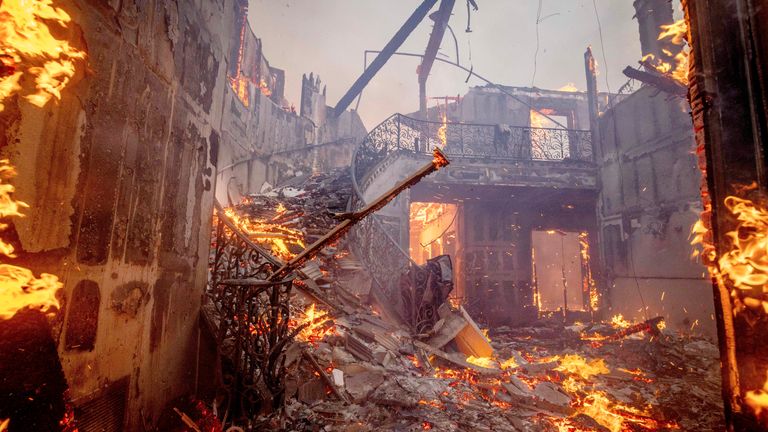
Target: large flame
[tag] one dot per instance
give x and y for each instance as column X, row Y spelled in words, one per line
column 279, row 238
column 678, row 70
column 19, row 288
column 743, row 263
column 29, row 51
column 316, row 325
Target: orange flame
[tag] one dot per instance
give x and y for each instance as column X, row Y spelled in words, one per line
column 19, row 288
column 240, row 87
column 618, row 321
column 745, row 265
column 678, row 70
column 317, row 325
column 278, row 237
column 29, row 49
column 442, row 132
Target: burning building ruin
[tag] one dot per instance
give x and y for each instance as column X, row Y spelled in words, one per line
column 184, row 249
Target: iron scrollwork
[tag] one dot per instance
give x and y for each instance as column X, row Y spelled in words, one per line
column 250, row 316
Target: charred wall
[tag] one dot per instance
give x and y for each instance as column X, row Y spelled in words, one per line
column 649, row 201
column 119, row 175
column 263, row 138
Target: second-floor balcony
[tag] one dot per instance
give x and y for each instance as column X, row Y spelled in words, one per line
column 474, row 142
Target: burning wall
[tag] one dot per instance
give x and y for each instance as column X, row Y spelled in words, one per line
column 118, row 176
column 263, row 139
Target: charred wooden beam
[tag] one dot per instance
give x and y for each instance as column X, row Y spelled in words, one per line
column 661, row 82
column 438, row 161
column 384, row 56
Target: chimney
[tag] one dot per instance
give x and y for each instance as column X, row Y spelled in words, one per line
column 651, row 15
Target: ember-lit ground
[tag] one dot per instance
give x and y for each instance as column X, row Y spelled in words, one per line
column 543, row 378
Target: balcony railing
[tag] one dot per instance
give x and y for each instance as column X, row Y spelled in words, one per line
column 472, row 141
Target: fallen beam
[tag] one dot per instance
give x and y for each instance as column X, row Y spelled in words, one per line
column 384, row 56
column 661, row 82
column 438, row 161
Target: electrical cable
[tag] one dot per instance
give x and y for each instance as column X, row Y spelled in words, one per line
column 602, row 46
column 536, row 54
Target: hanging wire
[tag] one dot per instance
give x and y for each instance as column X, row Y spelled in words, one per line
column 536, row 54
column 602, row 46
column 616, row 144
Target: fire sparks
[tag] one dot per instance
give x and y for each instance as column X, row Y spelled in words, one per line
column 30, row 52
column 588, row 282
column 19, row 288
column 281, row 240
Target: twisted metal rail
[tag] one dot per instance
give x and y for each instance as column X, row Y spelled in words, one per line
column 249, row 317
column 371, row 241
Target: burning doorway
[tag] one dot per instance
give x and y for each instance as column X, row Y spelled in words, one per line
column 433, row 230
column 557, row 267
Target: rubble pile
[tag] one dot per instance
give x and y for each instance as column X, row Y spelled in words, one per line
column 369, row 375
column 348, row 369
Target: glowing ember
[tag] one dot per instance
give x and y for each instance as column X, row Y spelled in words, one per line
column 30, row 50
column 264, row 88
column 317, row 325
column 485, row 362
column 278, row 238
column 757, row 400
column 510, row 363
column 438, row 159
column 19, row 288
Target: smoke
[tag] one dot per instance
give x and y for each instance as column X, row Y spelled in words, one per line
column 328, row 37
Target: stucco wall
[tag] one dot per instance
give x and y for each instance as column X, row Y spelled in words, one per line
column 120, row 176
column 649, row 200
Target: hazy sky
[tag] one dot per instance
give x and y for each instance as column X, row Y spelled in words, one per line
column 328, row 37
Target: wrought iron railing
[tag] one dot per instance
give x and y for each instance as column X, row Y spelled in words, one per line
column 249, row 316
column 372, row 242
column 471, row 141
